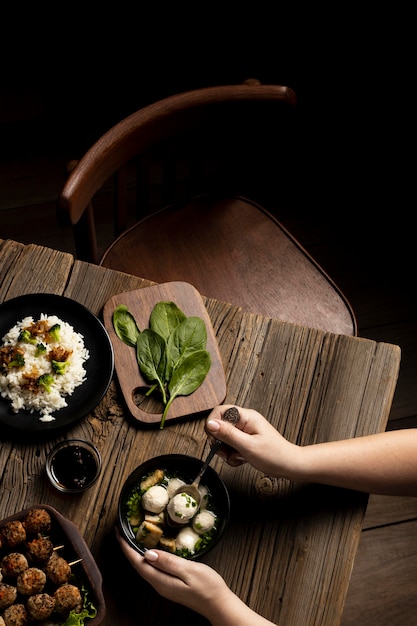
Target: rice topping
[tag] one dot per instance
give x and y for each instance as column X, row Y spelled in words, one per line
column 41, row 364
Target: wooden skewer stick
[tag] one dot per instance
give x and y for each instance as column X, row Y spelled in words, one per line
column 74, row 562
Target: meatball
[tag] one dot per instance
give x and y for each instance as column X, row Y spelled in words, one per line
column 31, row 581
column 67, row 598
column 13, row 533
column 16, row 615
column 39, row 550
column 155, row 499
column 187, row 539
column 14, row 564
column 182, row 508
column 57, row 569
column 173, row 485
column 204, row 521
column 37, row 521
column 8, row 595
column 40, row 606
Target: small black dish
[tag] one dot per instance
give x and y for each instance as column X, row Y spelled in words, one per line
column 73, row 465
column 186, row 468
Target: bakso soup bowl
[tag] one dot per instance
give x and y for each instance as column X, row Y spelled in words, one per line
column 145, row 496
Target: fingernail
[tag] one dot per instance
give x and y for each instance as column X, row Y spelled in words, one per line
column 213, row 425
column 150, row 555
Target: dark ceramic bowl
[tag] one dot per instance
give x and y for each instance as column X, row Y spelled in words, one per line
column 186, row 468
column 73, row 548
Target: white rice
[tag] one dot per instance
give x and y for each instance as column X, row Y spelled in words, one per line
column 45, row 403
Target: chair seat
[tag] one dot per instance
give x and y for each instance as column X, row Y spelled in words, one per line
column 201, row 241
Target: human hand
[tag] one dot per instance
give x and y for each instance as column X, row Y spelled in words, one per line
column 193, row 584
column 253, row 440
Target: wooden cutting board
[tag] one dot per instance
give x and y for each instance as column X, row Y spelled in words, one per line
column 133, row 386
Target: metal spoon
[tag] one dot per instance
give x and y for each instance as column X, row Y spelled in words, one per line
column 232, row 416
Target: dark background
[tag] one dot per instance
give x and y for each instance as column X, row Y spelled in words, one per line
column 70, row 73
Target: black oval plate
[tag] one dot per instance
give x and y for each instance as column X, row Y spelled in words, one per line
column 99, row 367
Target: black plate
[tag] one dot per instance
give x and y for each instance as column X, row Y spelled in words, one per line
column 187, row 467
column 99, row 367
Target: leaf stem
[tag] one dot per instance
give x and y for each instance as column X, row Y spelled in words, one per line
column 151, row 389
column 164, row 414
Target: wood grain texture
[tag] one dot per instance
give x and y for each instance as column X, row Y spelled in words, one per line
column 231, row 250
column 393, row 569
column 140, row 303
column 289, row 548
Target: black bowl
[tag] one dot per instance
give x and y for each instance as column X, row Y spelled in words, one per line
column 186, row 468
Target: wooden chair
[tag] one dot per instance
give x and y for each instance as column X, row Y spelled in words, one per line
column 201, row 164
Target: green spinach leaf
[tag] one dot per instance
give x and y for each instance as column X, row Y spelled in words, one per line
column 187, row 377
column 165, row 317
column 151, row 357
column 188, row 337
column 125, row 325
column 171, row 353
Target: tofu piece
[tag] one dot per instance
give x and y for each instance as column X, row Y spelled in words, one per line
column 149, row 534
column 152, row 479
column 155, row 518
column 168, row 543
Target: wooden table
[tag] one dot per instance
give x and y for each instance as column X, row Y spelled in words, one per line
column 289, row 548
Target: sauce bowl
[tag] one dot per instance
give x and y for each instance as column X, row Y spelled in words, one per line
column 73, row 465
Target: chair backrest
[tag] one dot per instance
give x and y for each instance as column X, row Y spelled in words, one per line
column 233, row 138
column 208, row 169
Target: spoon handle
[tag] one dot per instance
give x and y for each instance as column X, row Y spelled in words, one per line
column 232, row 416
column 211, row 454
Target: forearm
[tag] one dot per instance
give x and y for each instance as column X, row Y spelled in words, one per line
column 230, row 610
column 384, row 463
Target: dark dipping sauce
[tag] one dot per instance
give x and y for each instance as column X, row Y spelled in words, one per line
column 74, row 467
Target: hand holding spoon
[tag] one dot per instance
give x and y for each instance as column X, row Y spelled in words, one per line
column 231, row 415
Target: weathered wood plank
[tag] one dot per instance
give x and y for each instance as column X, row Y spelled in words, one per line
column 312, row 385
column 386, row 561
column 34, row 270
column 384, row 510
